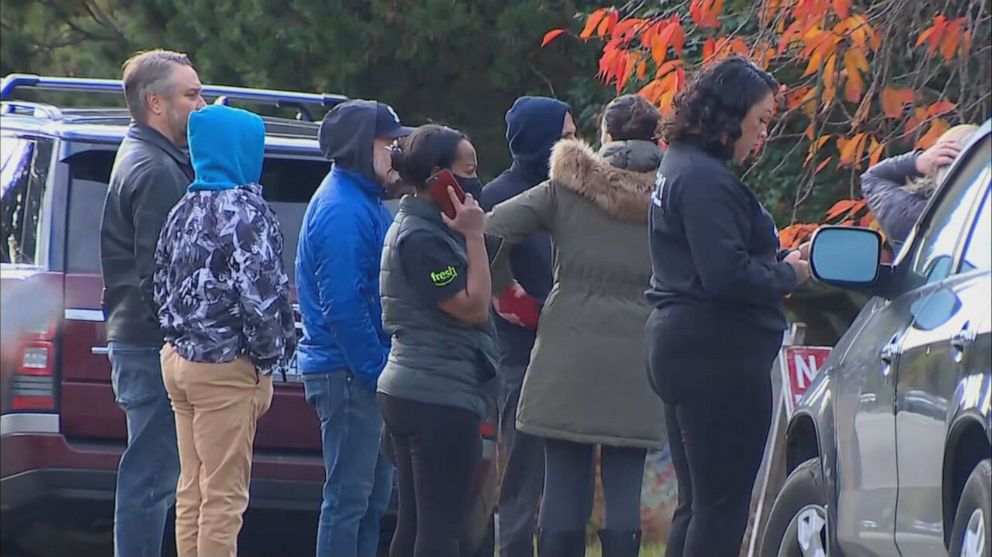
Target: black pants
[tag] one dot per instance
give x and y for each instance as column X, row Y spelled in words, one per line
column 523, row 477
column 436, row 449
column 570, row 482
column 718, row 405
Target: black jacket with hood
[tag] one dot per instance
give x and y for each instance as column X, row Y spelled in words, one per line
column 533, row 126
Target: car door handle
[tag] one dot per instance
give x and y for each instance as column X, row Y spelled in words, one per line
column 961, row 341
column 963, row 338
column 890, row 352
column 100, row 350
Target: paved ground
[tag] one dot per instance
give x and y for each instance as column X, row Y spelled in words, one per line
column 263, row 535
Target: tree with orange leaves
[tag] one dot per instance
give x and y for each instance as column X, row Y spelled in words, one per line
column 862, row 78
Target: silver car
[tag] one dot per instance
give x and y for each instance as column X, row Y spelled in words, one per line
column 889, row 451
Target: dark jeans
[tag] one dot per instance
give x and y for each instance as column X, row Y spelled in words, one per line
column 718, row 406
column 436, row 449
column 149, row 468
column 358, row 480
column 523, row 477
column 570, row 483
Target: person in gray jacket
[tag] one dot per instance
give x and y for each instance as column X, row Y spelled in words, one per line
column 898, row 188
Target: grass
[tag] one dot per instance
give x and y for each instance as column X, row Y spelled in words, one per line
column 654, row 550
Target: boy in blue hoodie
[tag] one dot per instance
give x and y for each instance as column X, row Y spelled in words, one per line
column 224, row 306
column 344, row 347
column 533, row 126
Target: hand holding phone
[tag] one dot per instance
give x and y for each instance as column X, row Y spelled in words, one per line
column 469, row 220
column 438, row 185
column 799, row 265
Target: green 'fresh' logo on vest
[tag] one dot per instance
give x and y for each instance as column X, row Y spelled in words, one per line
column 445, row 277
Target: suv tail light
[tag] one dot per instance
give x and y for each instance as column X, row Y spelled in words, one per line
column 36, row 358
column 32, row 386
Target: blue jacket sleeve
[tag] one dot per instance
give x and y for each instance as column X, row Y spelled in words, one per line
column 343, row 247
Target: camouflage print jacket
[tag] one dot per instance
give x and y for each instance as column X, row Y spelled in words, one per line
column 220, row 284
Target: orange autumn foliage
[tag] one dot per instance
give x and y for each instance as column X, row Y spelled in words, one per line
column 835, row 44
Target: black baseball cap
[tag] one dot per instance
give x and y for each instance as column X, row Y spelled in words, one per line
column 387, row 123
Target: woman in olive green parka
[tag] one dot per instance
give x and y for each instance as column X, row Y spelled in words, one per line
column 587, row 383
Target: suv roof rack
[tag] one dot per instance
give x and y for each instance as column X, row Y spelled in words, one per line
column 220, row 94
column 38, row 110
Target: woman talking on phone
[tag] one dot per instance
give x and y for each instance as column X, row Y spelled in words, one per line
column 436, row 296
column 717, row 286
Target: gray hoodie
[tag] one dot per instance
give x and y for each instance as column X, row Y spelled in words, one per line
column 896, row 208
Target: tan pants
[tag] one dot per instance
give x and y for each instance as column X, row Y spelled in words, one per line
column 217, row 407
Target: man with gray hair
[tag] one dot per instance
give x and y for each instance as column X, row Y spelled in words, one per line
column 150, row 175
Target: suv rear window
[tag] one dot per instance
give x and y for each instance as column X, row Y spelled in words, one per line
column 288, row 183
column 24, row 164
column 89, row 172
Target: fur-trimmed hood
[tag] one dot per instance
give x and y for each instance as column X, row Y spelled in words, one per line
column 623, row 194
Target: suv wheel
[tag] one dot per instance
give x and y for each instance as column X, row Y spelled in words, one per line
column 972, row 534
column 797, row 526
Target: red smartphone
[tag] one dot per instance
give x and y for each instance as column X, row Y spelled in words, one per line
column 438, row 185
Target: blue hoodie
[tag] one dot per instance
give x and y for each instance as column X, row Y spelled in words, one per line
column 226, row 147
column 337, row 258
column 219, row 283
column 533, row 126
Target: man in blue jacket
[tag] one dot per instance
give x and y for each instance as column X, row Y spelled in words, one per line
column 344, row 347
column 533, row 126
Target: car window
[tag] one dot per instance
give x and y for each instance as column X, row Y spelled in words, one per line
column 287, row 183
column 89, row 173
column 947, row 222
column 24, row 164
column 978, row 252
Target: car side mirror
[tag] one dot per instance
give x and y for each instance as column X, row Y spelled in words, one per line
column 846, row 256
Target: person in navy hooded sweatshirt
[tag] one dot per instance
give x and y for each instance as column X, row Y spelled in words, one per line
column 344, row 348
column 533, row 126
